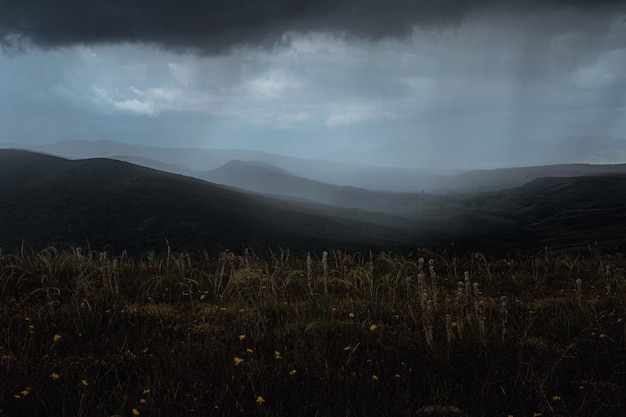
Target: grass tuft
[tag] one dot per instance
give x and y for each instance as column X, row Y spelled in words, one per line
column 92, row 334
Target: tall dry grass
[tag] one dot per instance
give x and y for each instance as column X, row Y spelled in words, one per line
column 336, row 333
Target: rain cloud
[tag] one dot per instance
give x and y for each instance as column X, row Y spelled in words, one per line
column 209, row 26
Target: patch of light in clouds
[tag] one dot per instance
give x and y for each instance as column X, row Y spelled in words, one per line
column 492, row 76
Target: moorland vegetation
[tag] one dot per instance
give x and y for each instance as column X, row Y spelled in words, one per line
column 312, row 334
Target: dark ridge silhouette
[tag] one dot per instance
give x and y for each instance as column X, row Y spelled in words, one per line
column 564, row 212
column 499, row 179
column 195, row 162
column 49, row 200
column 115, row 205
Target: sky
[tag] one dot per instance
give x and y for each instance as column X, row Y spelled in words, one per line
column 328, row 78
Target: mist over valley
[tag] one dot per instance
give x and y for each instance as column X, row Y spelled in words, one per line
column 139, row 206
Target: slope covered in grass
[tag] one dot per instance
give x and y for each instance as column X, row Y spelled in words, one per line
column 347, row 334
column 48, row 200
column 120, row 206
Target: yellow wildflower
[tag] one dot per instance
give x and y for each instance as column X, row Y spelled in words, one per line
column 602, row 335
column 56, row 337
column 84, row 382
column 373, row 327
column 25, row 392
column 454, row 324
column 537, row 414
column 249, row 350
column 55, row 376
column 396, row 376
column 142, row 401
column 277, row 355
column 351, row 315
column 260, row 400
column 347, row 348
column 135, row 412
column 375, row 377
column 237, row 360
column 556, row 398
column 292, row 372
column 146, row 391
column 17, row 396
column 242, row 336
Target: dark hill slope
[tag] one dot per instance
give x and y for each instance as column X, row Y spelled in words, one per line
column 115, row 205
column 48, row 200
column 503, row 178
column 561, row 212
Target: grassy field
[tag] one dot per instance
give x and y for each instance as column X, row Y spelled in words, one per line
column 325, row 334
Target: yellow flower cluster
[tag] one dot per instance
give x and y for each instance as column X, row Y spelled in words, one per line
column 22, row 393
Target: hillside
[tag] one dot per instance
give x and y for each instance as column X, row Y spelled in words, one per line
column 107, row 203
column 562, row 212
column 502, row 178
column 267, row 179
column 120, row 206
column 187, row 161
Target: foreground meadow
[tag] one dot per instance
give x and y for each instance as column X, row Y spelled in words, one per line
column 328, row 334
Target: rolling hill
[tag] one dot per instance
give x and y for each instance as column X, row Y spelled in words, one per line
column 563, row 212
column 188, row 161
column 206, row 164
column 502, row 178
column 108, row 203
column 263, row 178
column 116, row 205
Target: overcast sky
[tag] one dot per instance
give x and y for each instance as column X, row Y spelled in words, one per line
column 311, row 78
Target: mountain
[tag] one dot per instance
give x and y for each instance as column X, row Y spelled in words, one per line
column 263, row 178
column 108, row 203
column 563, row 212
column 499, row 179
column 115, row 205
column 191, row 161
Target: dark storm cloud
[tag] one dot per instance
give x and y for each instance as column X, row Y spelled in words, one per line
column 214, row 25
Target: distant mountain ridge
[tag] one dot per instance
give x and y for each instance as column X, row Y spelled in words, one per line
column 200, row 160
column 267, row 179
column 108, row 203
column 503, row 178
column 116, row 205
column 205, row 163
column 458, row 153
